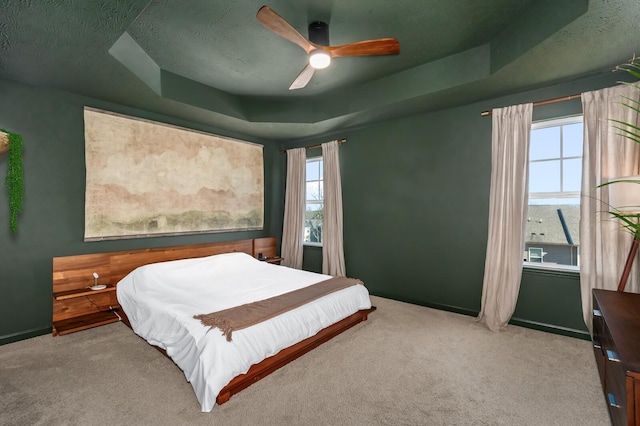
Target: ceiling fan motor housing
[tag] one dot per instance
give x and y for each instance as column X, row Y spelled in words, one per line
column 319, row 33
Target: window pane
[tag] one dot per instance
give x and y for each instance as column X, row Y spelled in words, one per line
column 545, row 143
column 314, row 209
column 313, row 223
column 571, row 175
column 544, row 176
column 572, row 140
column 313, row 171
column 314, row 190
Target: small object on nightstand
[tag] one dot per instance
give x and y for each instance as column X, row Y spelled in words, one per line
column 97, row 287
column 260, row 257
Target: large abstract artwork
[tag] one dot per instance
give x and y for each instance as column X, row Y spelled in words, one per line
column 147, row 179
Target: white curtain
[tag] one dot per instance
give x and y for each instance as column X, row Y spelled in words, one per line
column 507, row 211
column 294, row 207
column 604, row 246
column 332, row 245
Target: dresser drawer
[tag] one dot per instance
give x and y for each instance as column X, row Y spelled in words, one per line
column 633, row 388
column 615, row 381
column 599, row 357
column 598, row 333
column 616, row 391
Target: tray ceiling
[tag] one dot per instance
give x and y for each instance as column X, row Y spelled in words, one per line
column 214, row 63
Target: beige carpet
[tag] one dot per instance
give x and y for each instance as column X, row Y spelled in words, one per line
column 407, row 365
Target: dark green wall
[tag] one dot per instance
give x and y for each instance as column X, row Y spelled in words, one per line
column 416, row 202
column 52, row 221
column 415, row 193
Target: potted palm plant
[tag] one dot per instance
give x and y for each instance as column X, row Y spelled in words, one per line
column 620, row 207
column 632, row 132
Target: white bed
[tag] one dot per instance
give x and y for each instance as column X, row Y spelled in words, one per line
column 161, row 299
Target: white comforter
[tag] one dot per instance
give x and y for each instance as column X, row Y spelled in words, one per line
column 161, row 299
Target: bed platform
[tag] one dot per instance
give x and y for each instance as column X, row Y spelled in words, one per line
column 285, row 356
column 75, row 307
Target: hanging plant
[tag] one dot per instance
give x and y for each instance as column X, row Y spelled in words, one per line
column 14, row 180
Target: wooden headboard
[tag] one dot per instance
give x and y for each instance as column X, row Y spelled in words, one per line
column 72, row 274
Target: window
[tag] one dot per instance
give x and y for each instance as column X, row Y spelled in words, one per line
column 555, row 175
column 536, row 255
column 314, row 211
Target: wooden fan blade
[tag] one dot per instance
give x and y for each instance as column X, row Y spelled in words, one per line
column 382, row 46
column 303, row 78
column 278, row 25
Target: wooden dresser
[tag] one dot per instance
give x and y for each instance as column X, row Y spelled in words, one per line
column 616, row 345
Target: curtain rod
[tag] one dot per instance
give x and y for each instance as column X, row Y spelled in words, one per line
column 545, row 102
column 340, row 142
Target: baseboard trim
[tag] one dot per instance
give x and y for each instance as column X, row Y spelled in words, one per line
column 550, row 328
column 442, row 307
column 535, row 325
column 23, row 335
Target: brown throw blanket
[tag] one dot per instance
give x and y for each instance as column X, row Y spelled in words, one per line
column 249, row 314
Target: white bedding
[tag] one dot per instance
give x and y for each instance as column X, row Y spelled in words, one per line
column 161, row 299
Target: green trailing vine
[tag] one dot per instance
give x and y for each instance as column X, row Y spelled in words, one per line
column 14, row 180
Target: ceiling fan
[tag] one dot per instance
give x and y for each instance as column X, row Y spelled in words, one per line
column 317, row 46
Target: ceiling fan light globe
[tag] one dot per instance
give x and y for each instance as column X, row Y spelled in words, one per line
column 319, row 59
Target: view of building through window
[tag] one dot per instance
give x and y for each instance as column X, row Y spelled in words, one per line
column 314, row 210
column 555, row 173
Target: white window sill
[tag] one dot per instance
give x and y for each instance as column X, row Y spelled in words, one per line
column 551, row 267
column 312, row 244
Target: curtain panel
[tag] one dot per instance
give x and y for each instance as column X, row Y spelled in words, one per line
column 332, row 239
column 604, row 245
column 511, row 129
column 294, row 207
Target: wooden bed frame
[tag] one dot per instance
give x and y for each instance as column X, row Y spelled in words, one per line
column 74, row 310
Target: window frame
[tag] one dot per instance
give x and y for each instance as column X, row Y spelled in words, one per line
column 307, row 202
column 554, row 122
column 536, row 256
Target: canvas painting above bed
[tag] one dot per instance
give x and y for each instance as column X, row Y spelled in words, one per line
column 145, row 178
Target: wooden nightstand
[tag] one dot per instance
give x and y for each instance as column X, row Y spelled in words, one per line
column 79, row 309
column 275, row 260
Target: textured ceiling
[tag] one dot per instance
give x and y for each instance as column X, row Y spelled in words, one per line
column 213, row 62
